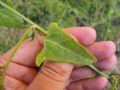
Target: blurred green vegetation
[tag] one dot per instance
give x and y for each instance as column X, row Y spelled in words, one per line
column 103, row 15
column 8, row 38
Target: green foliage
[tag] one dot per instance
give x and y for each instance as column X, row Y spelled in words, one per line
column 60, row 47
column 12, row 21
column 8, row 38
column 15, row 22
column 103, row 15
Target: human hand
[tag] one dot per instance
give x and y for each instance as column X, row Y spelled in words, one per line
column 104, row 51
column 22, row 74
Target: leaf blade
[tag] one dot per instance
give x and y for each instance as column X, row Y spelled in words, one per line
column 9, row 19
column 60, row 47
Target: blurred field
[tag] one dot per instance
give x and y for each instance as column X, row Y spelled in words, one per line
column 8, row 38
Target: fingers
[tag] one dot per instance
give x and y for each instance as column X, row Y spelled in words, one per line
column 102, row 50
column 27, row 52
column 84, row 35
column 81, row 73
column 97, row 83
column 85, row 72
column 52, row 76
column 13, row 84
column 107, row 64
column 20, row 72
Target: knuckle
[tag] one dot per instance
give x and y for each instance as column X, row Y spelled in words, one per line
column 55, row 71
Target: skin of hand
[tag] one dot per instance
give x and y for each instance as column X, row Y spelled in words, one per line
column 22, row 73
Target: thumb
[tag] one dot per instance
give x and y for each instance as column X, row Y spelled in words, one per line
column 52, row 76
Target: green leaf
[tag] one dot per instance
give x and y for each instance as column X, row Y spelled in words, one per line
column 9, row 19
column 61, row 47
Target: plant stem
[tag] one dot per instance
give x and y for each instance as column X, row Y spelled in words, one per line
column 99, row 72
column 12, row 54
column 23, row 17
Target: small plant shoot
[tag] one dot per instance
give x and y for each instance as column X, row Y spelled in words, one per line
column 70, row 51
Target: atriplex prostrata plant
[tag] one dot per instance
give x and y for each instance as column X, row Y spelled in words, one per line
column 56, row 40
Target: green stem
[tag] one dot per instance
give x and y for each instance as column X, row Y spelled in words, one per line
column 99, row 72
column 23, row 17
column 12, row 54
